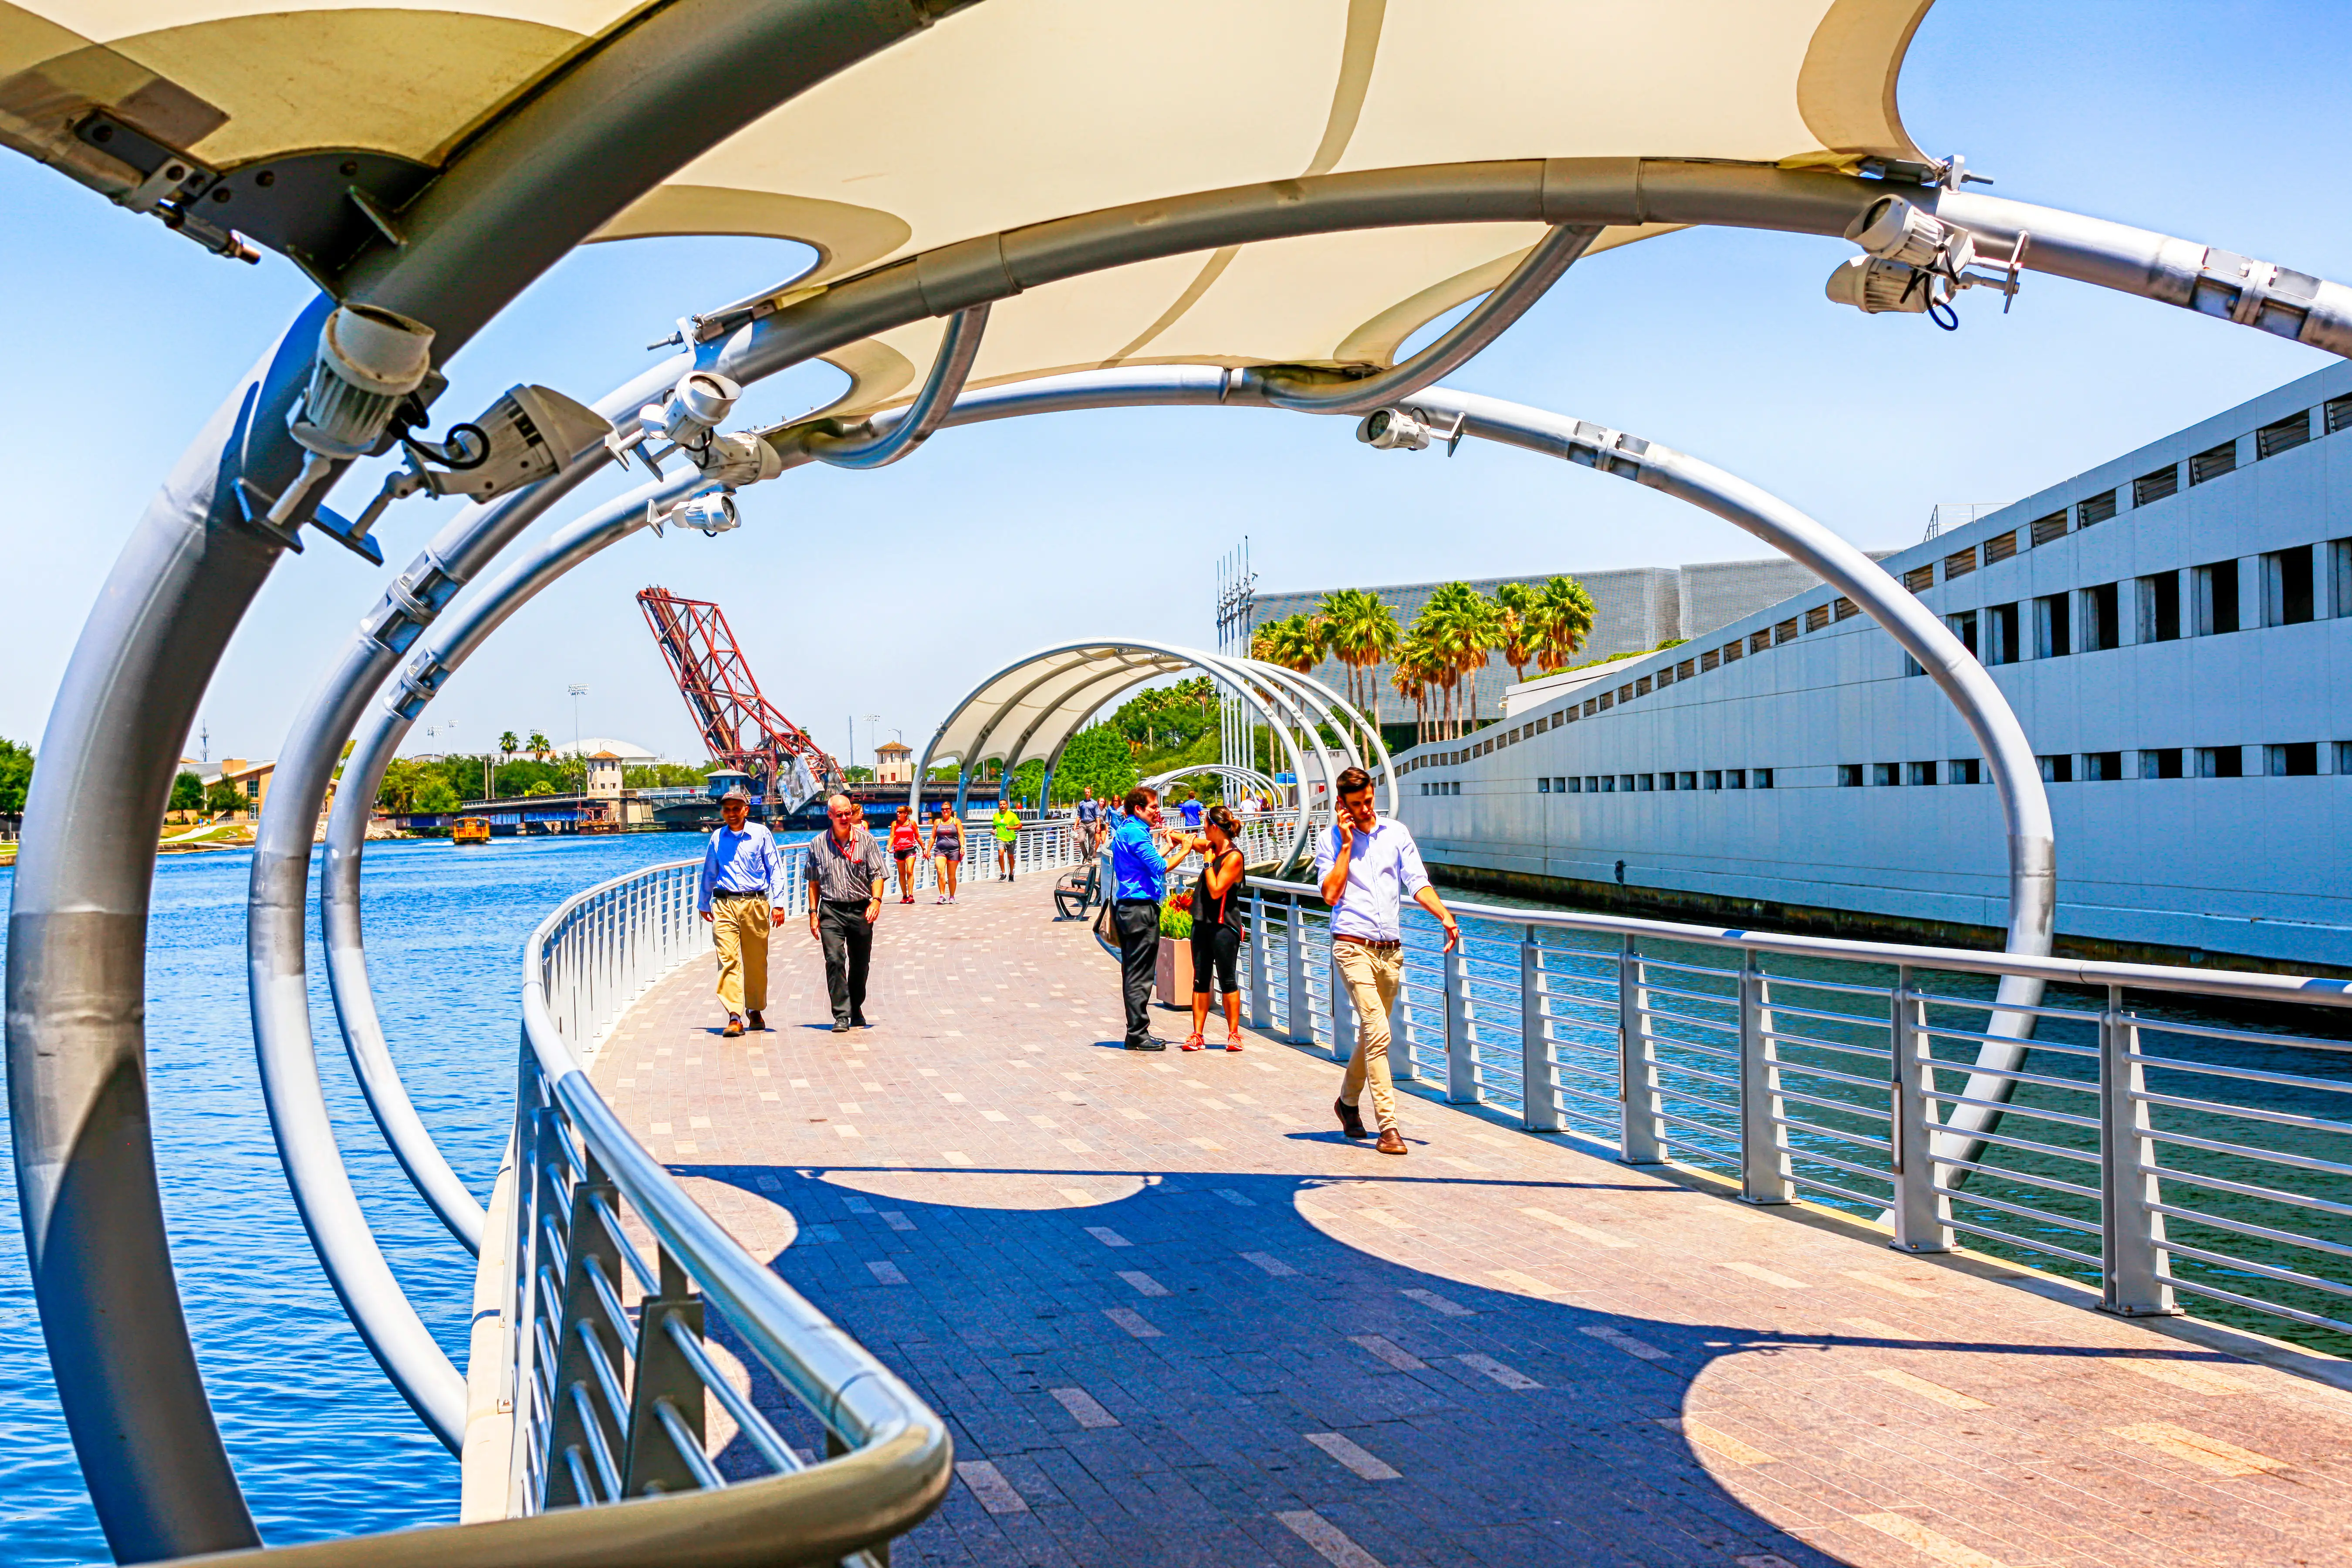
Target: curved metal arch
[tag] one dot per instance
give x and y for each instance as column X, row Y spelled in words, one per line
column 1346, row 718
column 1095, row 691
column 869, row 448
column 1250, row 777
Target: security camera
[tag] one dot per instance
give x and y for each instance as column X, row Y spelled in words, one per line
column 1408, row 430
column 1872, row 285
column 368, row 359
column 685, row 419
column 713, row 512
column 735, row 461
column 1893, row 230
column 528, row 435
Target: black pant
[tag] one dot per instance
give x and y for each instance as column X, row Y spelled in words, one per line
column 1216, row 950
column 1137, row 923
column 849, row 941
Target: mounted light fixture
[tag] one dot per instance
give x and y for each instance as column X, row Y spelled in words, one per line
column 1408, row 430
column 528, row 435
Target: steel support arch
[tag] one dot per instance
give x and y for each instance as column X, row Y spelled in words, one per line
column 1248, row 777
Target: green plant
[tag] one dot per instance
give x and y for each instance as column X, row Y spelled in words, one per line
column 188, row 792
column 1562, row 620
column 225, row 797
column 16, row 774
column 1176, row 917
column 434, row 794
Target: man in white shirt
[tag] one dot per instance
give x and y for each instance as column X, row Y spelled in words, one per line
column 1368, row 866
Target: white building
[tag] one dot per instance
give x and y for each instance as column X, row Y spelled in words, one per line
column 2174, row 629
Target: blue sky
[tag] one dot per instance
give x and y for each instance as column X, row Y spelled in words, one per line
column 891, row 593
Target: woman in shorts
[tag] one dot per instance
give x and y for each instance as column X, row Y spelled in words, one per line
column 906, row 843
column 1217, row 927
column 947, row 851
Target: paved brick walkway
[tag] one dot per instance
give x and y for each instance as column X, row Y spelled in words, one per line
column 1173, row 1318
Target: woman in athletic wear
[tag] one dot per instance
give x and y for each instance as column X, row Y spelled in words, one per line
column 906, row 843
column 1217, row 927
column 947, row 851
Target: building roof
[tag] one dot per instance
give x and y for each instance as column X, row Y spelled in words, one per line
column 895, row 748
column 1003, row 115
column 606, row 746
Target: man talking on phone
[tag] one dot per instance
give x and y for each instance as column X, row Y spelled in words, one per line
column 1368, row 866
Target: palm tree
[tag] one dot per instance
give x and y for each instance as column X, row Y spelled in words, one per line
column 509, row 744
column 1520, row 603
column 1563, row 616
column 1363, row 633
column 1463, row 626
column 1414, row 662
column 539, row 745
column 1295, row 642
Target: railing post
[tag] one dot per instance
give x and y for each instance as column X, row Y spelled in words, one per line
column 1300, row 1006
column 1539, row 1106
column 2132, row 1281
column 664, row 1376
column 589, row 1248
column 1462, row 1086
column 1639, row 1139
column 1763, row 1141
column 1261, row 997
column 1920, row 1210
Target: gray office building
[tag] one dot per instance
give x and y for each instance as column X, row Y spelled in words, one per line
column 1634, row 608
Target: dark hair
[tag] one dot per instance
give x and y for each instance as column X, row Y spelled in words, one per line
column 1350, row 779
column 1138, row 799
column 1222, row 815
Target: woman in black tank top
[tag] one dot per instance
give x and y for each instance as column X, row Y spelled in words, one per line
column 1217, row 927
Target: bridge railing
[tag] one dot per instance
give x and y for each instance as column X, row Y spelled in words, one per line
column 606, row 1284
column 2169, row 1132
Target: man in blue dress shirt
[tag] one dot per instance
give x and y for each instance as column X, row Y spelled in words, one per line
column 742, row 878
column 1138, row 882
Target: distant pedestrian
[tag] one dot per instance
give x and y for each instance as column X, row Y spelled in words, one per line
column 1006, row 826
column 1190, row 809
column 1090, row 820
column 847, row 879
column 1139, row 885
column 905, row 845
column 1217, row 927
column 1368, row 866
column 947, row 852
column 741, row 875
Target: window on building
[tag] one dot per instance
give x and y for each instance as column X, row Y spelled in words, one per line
column 1817, row 617
column 2160, row 607
column 1542, row 724
column 2045, row 529
column 1732, row 650
column 1608, row 700
column 1624, row 695
column 2220, row 761
column 1964, row 626
column 1711, row 779
column 1620, row 781
column 2286, row 587
column 2338, row 414
column 1689, row 779
column 2058, row 768
column 1919, row 579
column 1543, row 785
column 1425, row 788
column 1920, row 773
column 2344, row 759
column 2101, row 624
column 1850, row 776
column 2103, row 767
column 1734, row 778
column 1591, row 705
column 1666, row 676
column 1758, row 641
column 1960, row 564
column 1965, row 770
column 1711, row 660
column 1786, row 631
column 1886, row 772
column 2150, row 488
column 1647, row 781
column 2053, row 630
column 1641, row 688
column 2095, row 508
column 2297, row 759
column 1762, row 778
column 1565, row 787
column 2282, row 435
column 2001, row 546
column 2000, row 633
column 2217, row 599
column 1685, row 669
column 1842, row 608
column 2213, row 462
column 1591, row 784
column 1666, row 781
column 2163, row 763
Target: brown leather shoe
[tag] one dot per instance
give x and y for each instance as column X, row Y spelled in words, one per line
column 1391, row 1142
column 757, row 1023
column 734, row 1027
column 1350, row 1121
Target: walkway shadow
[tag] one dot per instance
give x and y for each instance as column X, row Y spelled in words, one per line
column 1148, row 1388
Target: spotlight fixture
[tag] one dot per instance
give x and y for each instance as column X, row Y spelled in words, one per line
column 1408, row 430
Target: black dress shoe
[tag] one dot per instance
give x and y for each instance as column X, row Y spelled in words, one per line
column 757, row 1023
column 839, row 1027
column 858, row 1021
column 1351, row 1121
column 1152, row 1043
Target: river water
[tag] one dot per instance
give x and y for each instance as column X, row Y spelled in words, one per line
column 321, row 1443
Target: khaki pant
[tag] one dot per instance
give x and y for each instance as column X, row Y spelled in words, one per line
column 1371, row 981
column 739, row 928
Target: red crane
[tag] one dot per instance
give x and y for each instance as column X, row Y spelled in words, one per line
column 743, row 729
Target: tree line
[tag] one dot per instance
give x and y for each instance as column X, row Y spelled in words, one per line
column 1455, row 636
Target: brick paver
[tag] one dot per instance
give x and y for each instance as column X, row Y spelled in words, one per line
column 1173, row 1316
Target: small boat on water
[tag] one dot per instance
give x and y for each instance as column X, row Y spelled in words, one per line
column 470, row 830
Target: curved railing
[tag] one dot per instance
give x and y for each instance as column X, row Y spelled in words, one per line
column 2159, row 1145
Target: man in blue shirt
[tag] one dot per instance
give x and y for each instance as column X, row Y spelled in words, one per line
column 1138, row 882
column 741, row 875
column 1190, row 808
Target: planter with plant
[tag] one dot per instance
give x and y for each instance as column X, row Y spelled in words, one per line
column 1175, row 976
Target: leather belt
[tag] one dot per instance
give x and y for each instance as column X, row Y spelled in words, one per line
column 1375, row 943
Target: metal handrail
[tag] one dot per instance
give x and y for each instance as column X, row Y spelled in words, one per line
column 1486, row 1022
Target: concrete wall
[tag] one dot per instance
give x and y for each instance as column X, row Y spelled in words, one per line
column 2258, row 866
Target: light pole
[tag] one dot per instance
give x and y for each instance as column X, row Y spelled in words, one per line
column 871, row 720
